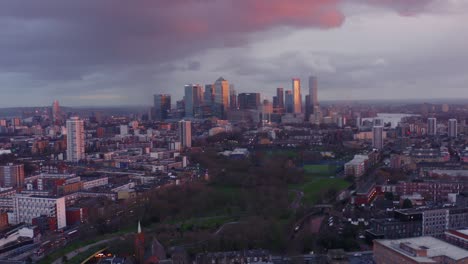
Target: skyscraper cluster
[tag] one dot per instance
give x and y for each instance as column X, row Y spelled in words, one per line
column 219, row 98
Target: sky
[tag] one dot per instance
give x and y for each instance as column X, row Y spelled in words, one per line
column 116, row 52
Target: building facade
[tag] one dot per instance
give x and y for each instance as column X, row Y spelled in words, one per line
column 221, row 98
column 75, row 140
column 297, row 97
column 26, row 208
column 377, row 137
column 432, row 126
column 193, row 99
column 313, row 94
column 249, row 101
column 12, row 175
column 418, row 250
column 289, row 102
column 162, row 107
column 280, row 98
column 185, row 133
column 452, row 128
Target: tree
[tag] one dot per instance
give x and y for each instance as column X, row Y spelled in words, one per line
column 407, row 204
column 389, row 196
column 64, row 259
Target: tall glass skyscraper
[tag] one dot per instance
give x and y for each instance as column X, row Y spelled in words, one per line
column 297, row 98
column 221, row 97
column 289, row 101
column 193, row 99
column 162, row 107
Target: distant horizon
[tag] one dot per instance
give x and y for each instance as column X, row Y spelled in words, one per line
column 405, row 100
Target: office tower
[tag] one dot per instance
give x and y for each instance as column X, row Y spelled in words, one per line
column 313, row 90
column 221, row 98
column 275, row 103
column 161, row 107
column 377, row 137
column 56, row 112
column 308, row 107
column 193, row 99
column 232, row 98
column 267, row 110
column 75, row 139
column 297, row 98
column 289, row 101
column 12, row 175
column 280, row 97
column 249, row 101
column 185, row 133
column 209, row 95
column 452, row 128
column 432, row 126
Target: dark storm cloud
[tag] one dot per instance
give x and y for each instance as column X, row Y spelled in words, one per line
column 86, row 34
column 114, row 46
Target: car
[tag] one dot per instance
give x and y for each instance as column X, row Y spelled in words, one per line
column 297, row 228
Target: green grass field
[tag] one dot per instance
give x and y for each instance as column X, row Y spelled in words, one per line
column 282, row 152
column 315, row 186
column 320, row 170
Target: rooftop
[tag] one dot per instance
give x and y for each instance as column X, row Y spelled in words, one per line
column 432, row 246
column 461, row 234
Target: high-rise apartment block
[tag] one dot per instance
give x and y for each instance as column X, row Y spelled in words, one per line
column 432, row 126
column 452, row 128
column 75, row 139
column 185, row 133
column 12, row 175
column 377, row 137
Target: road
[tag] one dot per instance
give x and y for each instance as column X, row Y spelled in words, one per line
column 83, row 249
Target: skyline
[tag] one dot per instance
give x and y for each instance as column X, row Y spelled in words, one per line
column 358, row 49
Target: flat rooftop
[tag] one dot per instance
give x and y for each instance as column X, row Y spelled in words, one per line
column 433, row 246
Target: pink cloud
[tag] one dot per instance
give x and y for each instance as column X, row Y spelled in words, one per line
column 98, row 33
